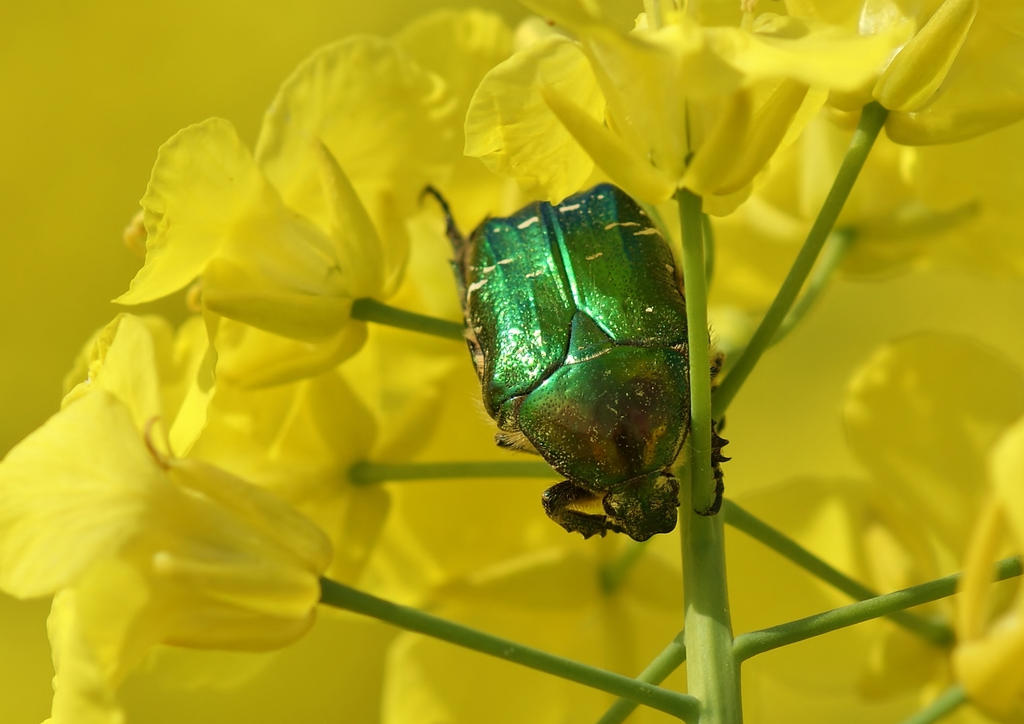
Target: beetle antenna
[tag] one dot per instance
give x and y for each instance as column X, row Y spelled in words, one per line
column 450, row 229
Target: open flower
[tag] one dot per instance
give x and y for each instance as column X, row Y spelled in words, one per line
column 670, row 104
column 286, row 239
column 142, row 548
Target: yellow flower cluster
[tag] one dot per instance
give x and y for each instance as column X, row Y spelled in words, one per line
column 200, row 478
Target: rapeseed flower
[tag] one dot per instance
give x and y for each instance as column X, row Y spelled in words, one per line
column 142, row 547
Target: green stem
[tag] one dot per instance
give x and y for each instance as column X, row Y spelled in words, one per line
column 370, row 310
column 342, row 596
column 944, row 704
column 933, row 631
column 757, row 642
column 366, row 472
column 712, row 670
column 839, row 242
column 708, row 235
column 615, row 571
column 871, row 121
column 698, row 343
column 670, row 658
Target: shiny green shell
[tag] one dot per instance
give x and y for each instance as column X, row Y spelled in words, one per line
column 578, row 324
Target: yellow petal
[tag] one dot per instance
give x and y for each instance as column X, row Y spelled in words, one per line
column 459, row 46
column 984, row 89
column 633, row 174
column 511, row 129
column 351, row 229
column 710, row 165
column 251, row 357
column 231, row 290
column 773, row 120
column 203, row 180
column 812, row 53
column 71, row 492
column 914, row 75
column 388, row 122
column 96, row 638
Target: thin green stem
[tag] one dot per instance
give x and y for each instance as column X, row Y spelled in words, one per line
column 838, row 243
column 342, row 596
column 933, row 631
column 944, row 704
column 708, row 235
column 871, row 121
column 698, row 342
column 757, row 642
column 712, row 670
column 670, row 658
column 616, row 570
column 366, row 472
column 370, row 310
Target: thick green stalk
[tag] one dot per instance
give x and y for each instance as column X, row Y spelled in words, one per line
column 944, row 704
column 712, row 670
column 933, row 631
column 871, row 121
column 656, row 672
column 699, row 349
column 757, row 642
column 366, row 472
column 370, row 310
column 342, row 596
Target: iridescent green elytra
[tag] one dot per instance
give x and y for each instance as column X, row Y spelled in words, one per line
column 577, row 325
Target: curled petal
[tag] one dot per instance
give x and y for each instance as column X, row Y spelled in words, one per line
column 203, row 180
column 513, row 131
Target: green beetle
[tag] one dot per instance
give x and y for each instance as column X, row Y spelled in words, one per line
column 576, row 322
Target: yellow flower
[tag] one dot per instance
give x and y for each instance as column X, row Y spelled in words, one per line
column 285, row 240
column 165, row 377
column 142, row 549
column 990, row 620
column 670, row 104
column 955, row 71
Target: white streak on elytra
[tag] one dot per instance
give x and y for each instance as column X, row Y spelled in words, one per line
column 475, row 285
column 570, row 207
column 671, row 269
column 609, row 227
column 649, row 310
column 505, row 261
column 594, row 256
column 645, row 232
column 600, row 196
column 528, row 223
column 488, row 269
column 537, row 273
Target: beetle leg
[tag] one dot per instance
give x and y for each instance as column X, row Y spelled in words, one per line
column 576, row 509
column 450, row 229
column 644, row 506
column 459, row 242
column 717, row 458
